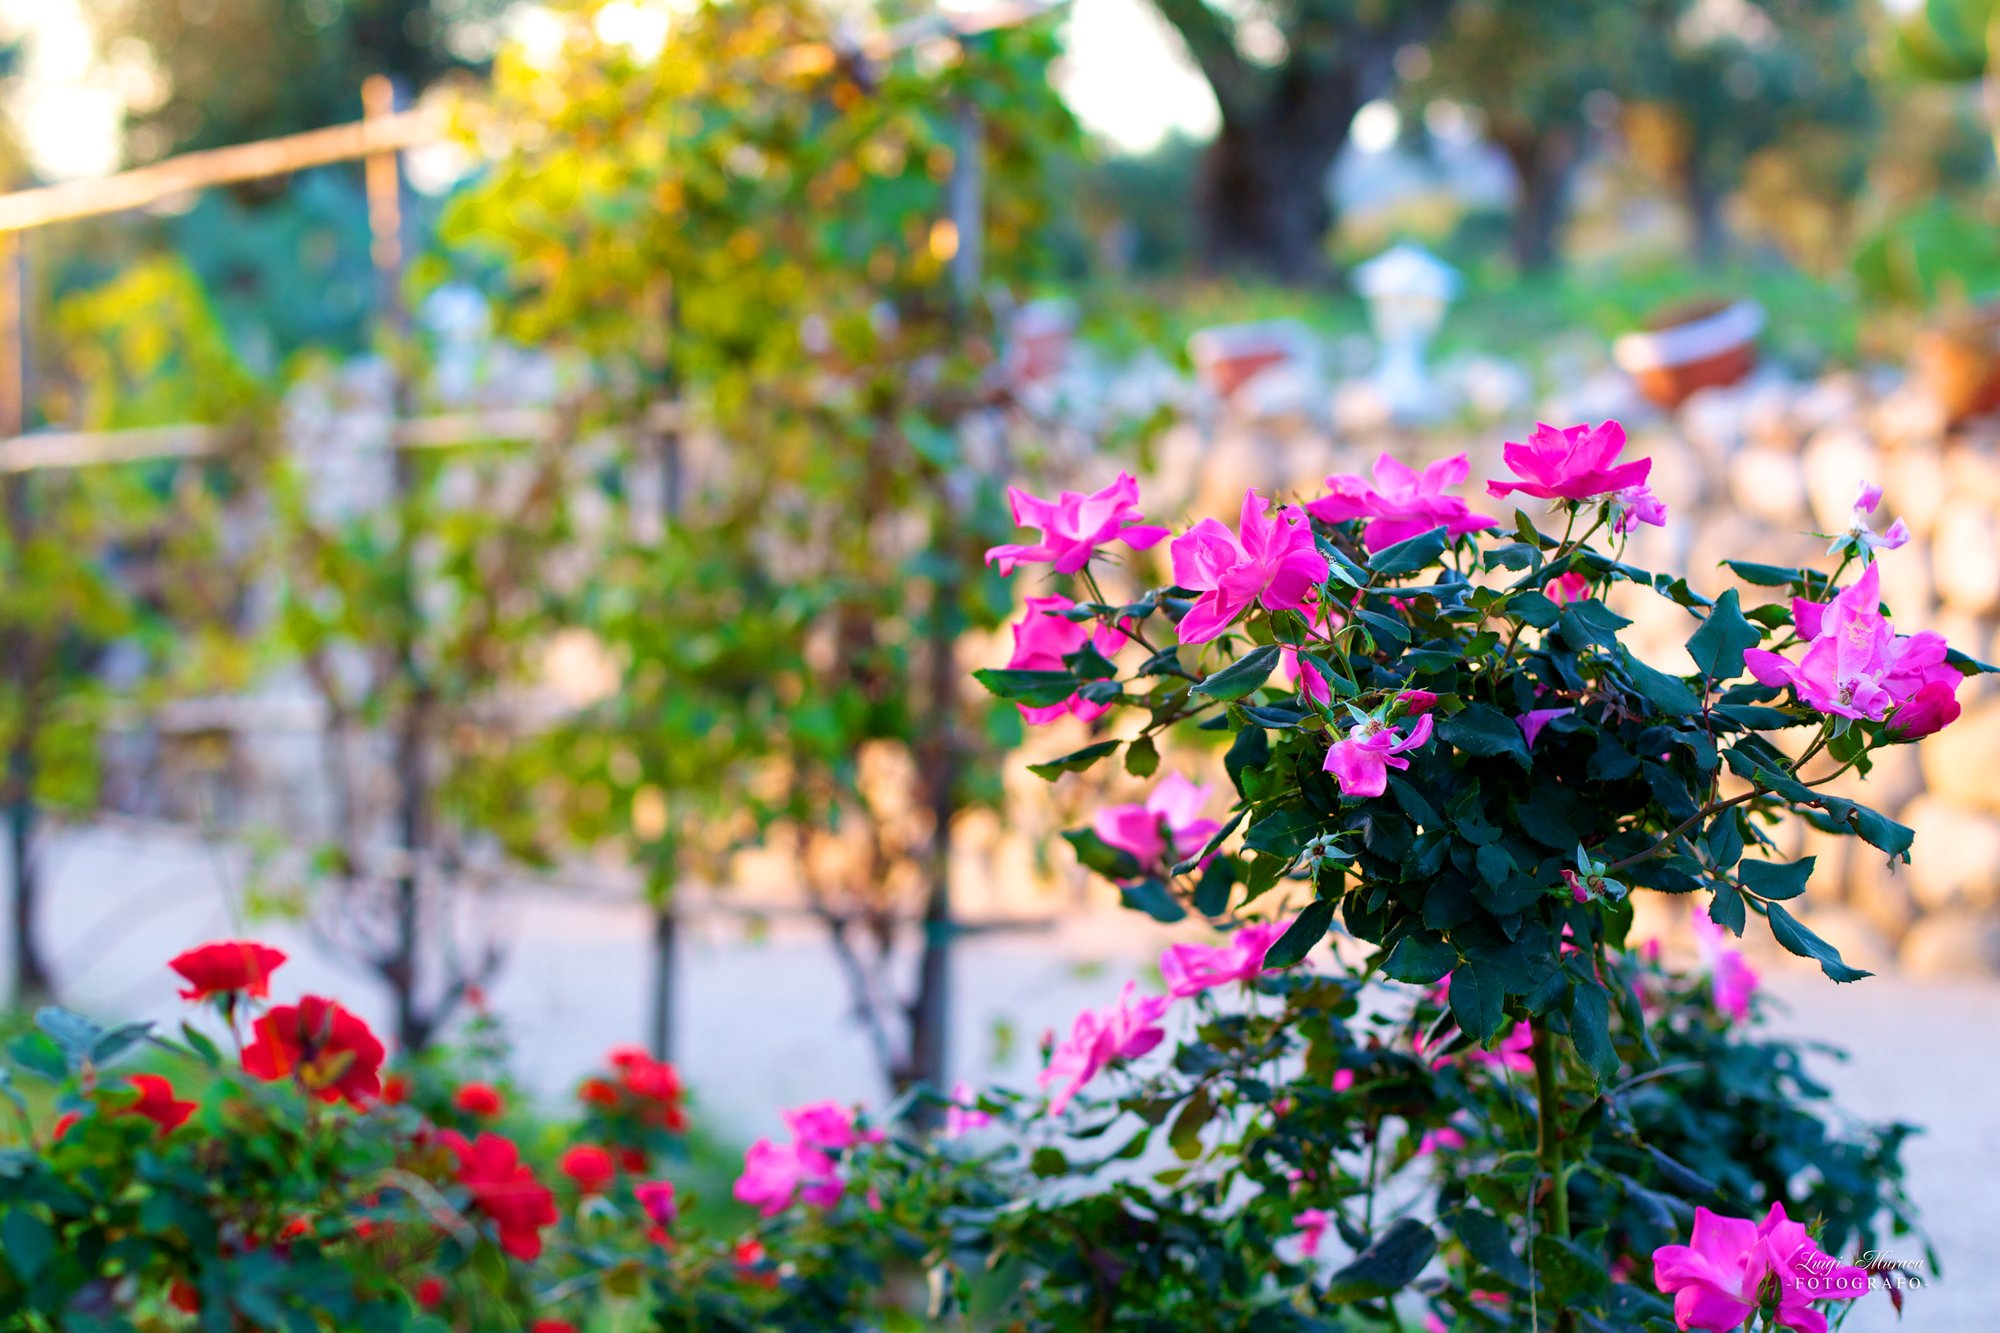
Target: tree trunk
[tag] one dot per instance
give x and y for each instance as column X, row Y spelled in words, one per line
column 33, row 984
column 1544, row 164
column 660, row 1013
column 930, row 1006
column 1708, row 236
column 1265, row 199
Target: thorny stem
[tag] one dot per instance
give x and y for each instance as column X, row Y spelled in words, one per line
column 1548, row 1143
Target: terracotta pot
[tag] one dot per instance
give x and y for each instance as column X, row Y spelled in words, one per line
column 1958, row 364
column 1228, row 358
column 1694, row 348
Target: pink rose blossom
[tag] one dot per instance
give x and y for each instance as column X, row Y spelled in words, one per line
column 1570, row 588
column 1575, row 463
column 1165, row 828
column 1447, row 1139
column 1855, row 665
column 963, row 1115
column 774, row 1174
column 1718, row 1279
column 656, row 1199
column 828, row 1126
column 1514, row 1053
column 1190, row 969
column 1399, row 503
column 1043, row 639
column 1733, row 980
column 1635, row 505
column 1860, row 537
column 1073, row 526
column 1532, row 721
column 1312, row 1224
column 1122, row 1031
column 1361, row 760
column 1272, row 559
column 1417, row 702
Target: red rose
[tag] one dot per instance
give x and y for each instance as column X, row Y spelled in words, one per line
column 330, row 1051
column 185, row 1298
column 395, row 1090
column 430, row 1293
column 590, row 1166
column 156, row 1102
column 478, row 1099
column 654, row 1080
column 552, row 1326
column 506, row 1191
column 228, row 967
column 597, row 1092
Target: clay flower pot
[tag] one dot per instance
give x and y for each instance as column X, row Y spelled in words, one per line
column 1227, row 358
column 1692, row 347
column 1957, row 363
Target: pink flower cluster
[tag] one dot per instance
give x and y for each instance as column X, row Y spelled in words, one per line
column 1717, row 1281
column 1073, row 526
column 1732, row 979
column 1856, row 666
column 1399, row 503
column 1271, row 558
column 1166, row 827
column 807, row 1167
column 1130, row 1027
column 1041, row 641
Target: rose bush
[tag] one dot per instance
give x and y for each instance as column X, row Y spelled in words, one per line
column 1489, row 1107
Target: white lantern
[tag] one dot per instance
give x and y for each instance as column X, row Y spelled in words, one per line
column 1407, row 289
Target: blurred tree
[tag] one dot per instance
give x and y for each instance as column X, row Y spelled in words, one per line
column 230, row 71
column 745, row 216
column 133, row 557
column 1955, row 41
column 1528, row 67
column 1288, row 78
column 1731, row 78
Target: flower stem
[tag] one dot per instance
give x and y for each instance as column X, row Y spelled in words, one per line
column 1549, row 1147
column 1548, row 1138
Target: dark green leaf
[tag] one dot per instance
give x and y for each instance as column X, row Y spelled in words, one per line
column 1242, row 676
column 1485, row 1238
column 1480, row 729
column 1306, row 931
column 1477, row 1002
column 1776, row 879
column 1151, row 896
column 1419, row 960
column 1387, row 1266
column 1786, row 929
column 1407, row 557
column 1142, row 758
column 1717, row 646
column 1669, row 694
column 1074, row 762
column 1037, row 689
column 1590, row 1029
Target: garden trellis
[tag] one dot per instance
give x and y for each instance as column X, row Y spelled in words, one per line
column 378, row 142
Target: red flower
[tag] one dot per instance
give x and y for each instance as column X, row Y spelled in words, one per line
column 185, row 1298
column 228, row 967
column 597, row 1092
column 395, row 1090
column 63, row 1123
column 506, row 1191
column 657, row 1198
column 478, row 1099
column 320, row 1043
column 654, row 1080
column 751, row 1265
column 590, row 1166
column 552, row 1326
column 156, row 1103
column 634, row 1160
column 430, row 1293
